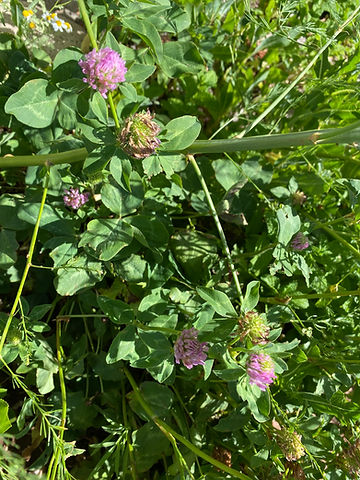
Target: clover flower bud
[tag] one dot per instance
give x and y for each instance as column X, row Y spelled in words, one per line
column 300, row 242
column 290, row 444
column 74, row 199
column 189, row 350
column 104, row 69
column 138, row 136
column 253, row 326
column 260, row 369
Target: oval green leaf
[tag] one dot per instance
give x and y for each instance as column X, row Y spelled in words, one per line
column 181, row 133
column 34, row 104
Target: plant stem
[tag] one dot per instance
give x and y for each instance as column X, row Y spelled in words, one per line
column 55, row 458
column 339, row 238
column 155, row 328
column 164, row 427
column 27, row 265
column 72, row 156
column 348, row 134
column 333, row 360
column 113, row 111
column 86, row 19
column 218, row 225
column 345, row 135
column 127, row 426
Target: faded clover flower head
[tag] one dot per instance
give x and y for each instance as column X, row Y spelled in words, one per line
column 74, row 199
column 260, row 369
column 189, row 350
column 104, row 69
column 138, row 136
column 253, row 326
column 290, row 444
column 300, row 242
column 299, row 198
column 223, row 455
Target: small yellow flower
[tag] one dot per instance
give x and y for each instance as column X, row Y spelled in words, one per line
column 27, row 13
column 32, row 25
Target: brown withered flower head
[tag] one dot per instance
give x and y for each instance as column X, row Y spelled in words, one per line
column 222, row 455
column 138, row 136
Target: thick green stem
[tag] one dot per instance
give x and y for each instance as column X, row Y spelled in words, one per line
column 349, row 134
column 345, row 135
column 259, row 142
column 18, row 161
column 218, row 225
column 27, row 266
column 164, row 427
column 86, row 19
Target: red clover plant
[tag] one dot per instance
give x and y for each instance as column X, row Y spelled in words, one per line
column 209, row 136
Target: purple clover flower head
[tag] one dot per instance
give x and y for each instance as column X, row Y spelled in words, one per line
column 189, row 350
column 300, row 242
column 104, row 69
column 74, row 199
column 260, row 369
